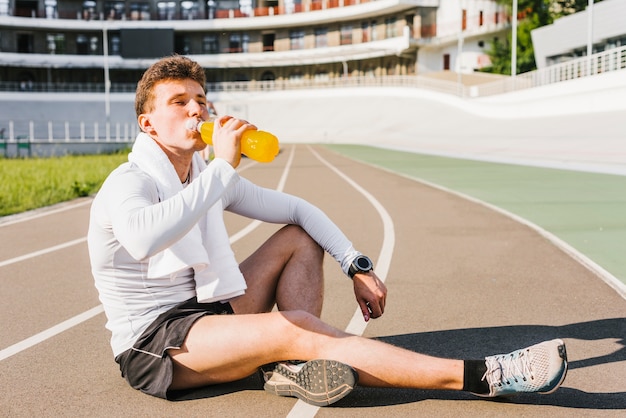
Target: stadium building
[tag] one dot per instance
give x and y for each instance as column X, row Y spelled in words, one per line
column 79, row 45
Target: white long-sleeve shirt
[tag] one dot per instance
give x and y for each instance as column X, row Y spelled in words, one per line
column 129, row 224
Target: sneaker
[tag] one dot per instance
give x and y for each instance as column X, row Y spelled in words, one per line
column 539, row 368
column 316, row 382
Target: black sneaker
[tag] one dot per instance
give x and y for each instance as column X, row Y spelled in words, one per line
column 316, row 382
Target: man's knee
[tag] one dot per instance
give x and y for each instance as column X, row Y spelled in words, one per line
column 301, row 320
column 299, row 238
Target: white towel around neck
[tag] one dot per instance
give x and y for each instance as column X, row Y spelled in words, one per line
column 216, row 272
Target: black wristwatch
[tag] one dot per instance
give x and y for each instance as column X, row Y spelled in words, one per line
column 361, row 264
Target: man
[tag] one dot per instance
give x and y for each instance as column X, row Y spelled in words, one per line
column 184, row 314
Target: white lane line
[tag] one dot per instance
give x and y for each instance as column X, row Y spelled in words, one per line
column 42, row 252
column 357, row 325
column 38, row 213
column 49, row 333
column 78, row 319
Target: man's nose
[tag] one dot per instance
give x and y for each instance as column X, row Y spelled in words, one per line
column 195, row 108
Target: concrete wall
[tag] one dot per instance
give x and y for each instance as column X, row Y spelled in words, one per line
column 575, row 123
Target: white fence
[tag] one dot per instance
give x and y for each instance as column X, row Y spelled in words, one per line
column 602, row 62
column 52, row 138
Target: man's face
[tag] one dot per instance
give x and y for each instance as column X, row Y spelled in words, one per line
column 175, row 103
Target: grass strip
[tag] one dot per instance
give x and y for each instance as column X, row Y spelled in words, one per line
column 33, row 183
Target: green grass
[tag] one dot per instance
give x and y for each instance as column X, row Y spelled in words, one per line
column 33, row 183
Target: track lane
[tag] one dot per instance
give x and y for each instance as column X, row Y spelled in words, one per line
column 460, row 274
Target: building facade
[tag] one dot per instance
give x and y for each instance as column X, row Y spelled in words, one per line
column 568, row 37
column 45, row 44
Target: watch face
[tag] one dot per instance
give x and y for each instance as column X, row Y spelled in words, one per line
column 363, row 264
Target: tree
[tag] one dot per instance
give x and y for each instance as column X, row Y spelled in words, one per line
column 531, row 15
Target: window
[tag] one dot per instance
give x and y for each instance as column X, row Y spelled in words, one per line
column 114, row 45
column 366, row 32
column 56, row 43
column 114, row 10
column 346, row 35
column 188, row 9
column 93, row 45
column 4, row 7
column 210, row 44
column 50, row 5
column 82, row 45
column 238, row 42
column 89, row 9
column 296, row 39
column 211, row 7
column 141, row 11
column 390, row 27
column 268, row 41
column 166, row 10
column 321, row 37
column 25, row 43
column 182, row 44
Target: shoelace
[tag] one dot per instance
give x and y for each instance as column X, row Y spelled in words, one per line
column 502, row 369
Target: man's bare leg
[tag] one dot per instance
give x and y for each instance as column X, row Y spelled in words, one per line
column 226, row 348
column 285, row 271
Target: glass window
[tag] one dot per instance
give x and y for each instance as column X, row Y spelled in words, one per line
column 189, row 10
column 4, row 7
column 296, row 39
column 50, row 5
column 390, row 27
column 82, row 47
column 321, row 37
column 346, row 35
column 56, row 43
column 238, row 42
column 210, row 44
column 166, row 10
column 268, row 41
column 114, row 10
column 211, row 6
column 115, row 45
column 140, row 11
column 89, row 9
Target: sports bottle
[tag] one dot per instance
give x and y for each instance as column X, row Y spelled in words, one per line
column 258, row 145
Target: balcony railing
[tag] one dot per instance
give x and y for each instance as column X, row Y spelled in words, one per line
column 191, row 14
column 610, row 60
column 602, row 62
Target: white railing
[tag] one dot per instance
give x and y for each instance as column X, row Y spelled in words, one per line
column 50, row 138
column 602, row 62
column 409, row 81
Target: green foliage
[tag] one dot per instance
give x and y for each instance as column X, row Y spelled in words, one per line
column 531, row 15
column 27, row 184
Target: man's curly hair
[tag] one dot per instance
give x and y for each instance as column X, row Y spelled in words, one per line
column 176, row 67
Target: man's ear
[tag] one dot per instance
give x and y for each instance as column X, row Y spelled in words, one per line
column 145, row 124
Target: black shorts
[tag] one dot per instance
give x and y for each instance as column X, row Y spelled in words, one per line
column 147, row 366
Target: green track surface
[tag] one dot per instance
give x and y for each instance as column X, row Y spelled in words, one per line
column 586, row 210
